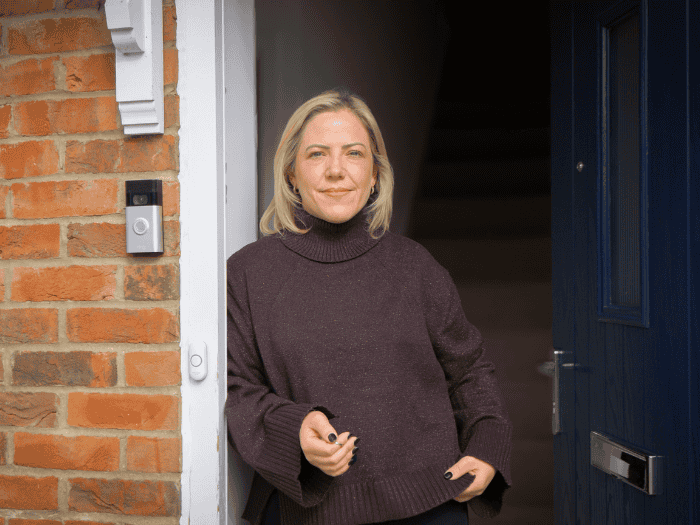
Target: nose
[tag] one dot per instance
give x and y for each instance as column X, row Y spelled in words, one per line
column 335, row 166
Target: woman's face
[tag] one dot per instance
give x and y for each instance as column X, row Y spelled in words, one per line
column 334, row 171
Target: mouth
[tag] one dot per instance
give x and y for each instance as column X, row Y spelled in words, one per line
column 336, row 192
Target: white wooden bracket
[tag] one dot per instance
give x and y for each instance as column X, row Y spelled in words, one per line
column 137, row 34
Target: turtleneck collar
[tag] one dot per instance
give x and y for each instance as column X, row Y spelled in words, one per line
column 329, row 242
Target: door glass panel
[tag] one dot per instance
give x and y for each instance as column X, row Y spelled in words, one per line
column 624, row 146
column 622, row 179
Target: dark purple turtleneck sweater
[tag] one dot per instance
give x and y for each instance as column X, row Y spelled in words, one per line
column 371, row 332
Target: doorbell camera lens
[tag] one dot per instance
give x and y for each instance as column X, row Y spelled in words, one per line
column 140, row 200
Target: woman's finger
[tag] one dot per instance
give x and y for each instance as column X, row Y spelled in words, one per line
column 460, row 468
column 332, row 454
column 343, row 457
column 338, row 462
column 483, row 474
column 471, row 465
column 317, row 422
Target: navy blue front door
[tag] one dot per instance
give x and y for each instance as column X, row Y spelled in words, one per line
column 625, row 244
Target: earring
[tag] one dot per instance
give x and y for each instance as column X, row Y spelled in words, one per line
column 371, row 192
column 296, row 190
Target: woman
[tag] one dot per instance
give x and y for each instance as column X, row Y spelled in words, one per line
column 357, row 389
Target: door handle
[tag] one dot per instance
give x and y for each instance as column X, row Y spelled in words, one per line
column 553, row 369
column 559, row 357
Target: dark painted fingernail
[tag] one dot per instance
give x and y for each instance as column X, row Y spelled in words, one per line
column 448, row 475
column 332, row 437
column 355, row 449
column 357, row 441
column 352, row 461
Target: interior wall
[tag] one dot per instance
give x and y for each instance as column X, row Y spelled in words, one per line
column 389, row 53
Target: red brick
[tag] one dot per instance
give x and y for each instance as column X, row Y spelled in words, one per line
column 28, row 77
column 172, row 111
column 91, row 73
column 2, row 298
column 172, row 238
column 65, row 368
column 158, row 282
column 38, row 200
column 6, row 114
column 145, row 153
column 171, row 199
column 73, row 115
column 94, row 156
column 3, row 448
column 25, row 7
column 144, row 454
column 152, row 368
column 37, row 241
column 116, row 325
column 23, row 409
column 52, row 35
column 132, row 498
column 107, row 240
column 66, row 453
column 64, row 283
column 4, row 192
column 28, row 159
column 84, row 4
column 33, row 118
column 80, row 522
column 23, row 492
column 170, row 65
column 169, row 23
column 100, row 239
column 123, row 411
column 28, row 325
column 149, row 153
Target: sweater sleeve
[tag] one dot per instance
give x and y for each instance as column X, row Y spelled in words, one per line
column 264, row 427
column 484, row 429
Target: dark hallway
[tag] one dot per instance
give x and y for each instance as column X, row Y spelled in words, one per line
column 482, row 209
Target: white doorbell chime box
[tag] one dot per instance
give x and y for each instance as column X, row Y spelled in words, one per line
column 144, row 217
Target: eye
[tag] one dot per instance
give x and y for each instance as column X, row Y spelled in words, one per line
column 314, row 153
column 357, row 152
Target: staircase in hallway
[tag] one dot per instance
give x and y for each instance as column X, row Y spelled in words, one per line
column 483, row 210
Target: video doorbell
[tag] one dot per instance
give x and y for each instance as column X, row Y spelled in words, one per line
column 144, row 217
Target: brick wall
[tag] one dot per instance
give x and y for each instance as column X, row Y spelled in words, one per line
column 89, row 336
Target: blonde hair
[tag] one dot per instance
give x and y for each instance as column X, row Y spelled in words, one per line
column 281, row 208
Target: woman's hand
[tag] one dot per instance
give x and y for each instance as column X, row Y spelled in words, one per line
column 317, row 438
column 483, row 474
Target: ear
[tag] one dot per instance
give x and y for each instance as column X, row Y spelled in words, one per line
column 291, row 179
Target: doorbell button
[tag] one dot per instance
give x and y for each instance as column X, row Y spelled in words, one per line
column 141, row 226
column 198, row 360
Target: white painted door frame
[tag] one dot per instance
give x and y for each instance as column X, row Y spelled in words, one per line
column 204, row 240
